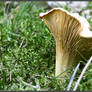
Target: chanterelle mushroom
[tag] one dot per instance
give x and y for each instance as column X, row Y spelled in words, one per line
column 72, row 35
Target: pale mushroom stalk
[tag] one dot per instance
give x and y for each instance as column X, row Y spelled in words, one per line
column 72, row 36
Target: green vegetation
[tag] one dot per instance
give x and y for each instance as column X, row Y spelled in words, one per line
column 27, row 52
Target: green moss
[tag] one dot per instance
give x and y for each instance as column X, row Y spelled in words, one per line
column 27, row 52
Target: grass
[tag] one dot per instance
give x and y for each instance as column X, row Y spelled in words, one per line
column 27, row 52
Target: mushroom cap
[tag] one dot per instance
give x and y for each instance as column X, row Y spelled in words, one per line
column 85, row 31
column 70, row 29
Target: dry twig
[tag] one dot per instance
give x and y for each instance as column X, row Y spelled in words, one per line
column 21, row 43
column 72, row 78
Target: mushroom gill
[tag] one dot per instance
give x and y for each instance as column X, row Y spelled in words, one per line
column 72, row 35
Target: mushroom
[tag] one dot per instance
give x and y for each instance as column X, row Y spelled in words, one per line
column 72, row 35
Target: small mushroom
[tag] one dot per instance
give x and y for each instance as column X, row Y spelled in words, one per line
column 72, row 35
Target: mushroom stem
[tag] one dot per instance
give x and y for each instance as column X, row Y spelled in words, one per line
column 63, row 59
column 59, row 59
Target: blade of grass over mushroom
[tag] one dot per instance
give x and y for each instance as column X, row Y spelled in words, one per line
column 81, row 55
column 60, row 75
